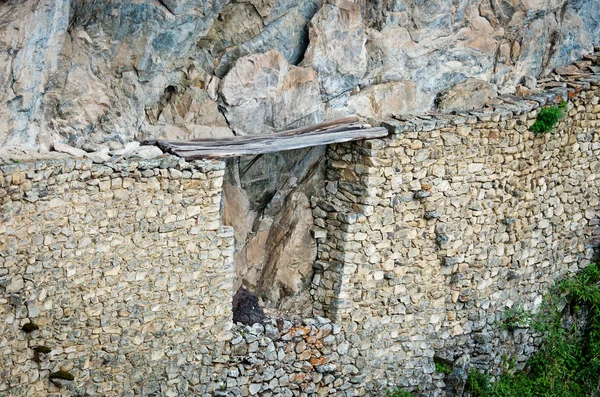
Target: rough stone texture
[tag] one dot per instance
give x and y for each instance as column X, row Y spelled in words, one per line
column 337, row 35
column 266, row 202
column 124, row 267
column 384, row 100
column 469, row 94
column 265, row 94
column 427, row 236
column 293, row 358
column 30, row 44
column 438, row 43
column 93, row 72
column 192, row 114
column 290, row 252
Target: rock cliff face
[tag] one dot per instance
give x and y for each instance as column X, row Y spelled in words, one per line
column 90, row 72
column 100, row 73
column 267, row 203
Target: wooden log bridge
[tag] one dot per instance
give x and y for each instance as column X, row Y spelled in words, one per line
column 335, row 131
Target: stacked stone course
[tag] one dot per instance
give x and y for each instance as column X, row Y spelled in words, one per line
column 292, row 357
column 425, row 238
column 124, row 268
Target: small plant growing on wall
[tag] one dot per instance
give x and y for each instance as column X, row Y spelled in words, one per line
column 548, row 117
column 515, row 318
column 442, row 367
column 567, row 363
column 398, row 392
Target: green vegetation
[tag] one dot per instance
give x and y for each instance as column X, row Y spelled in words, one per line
column 443, row 367
column 515, row 318
column 398, row 392
column 548, row 117
column 479, row 384
column 568, row 362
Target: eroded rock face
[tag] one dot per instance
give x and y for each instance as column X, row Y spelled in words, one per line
column 191, row 114
column 90, row 72
column 266, row 200
column 291, row 252
column 337, row 35
column 96, row 74
column 384, row 100
column 467, row 95
column 31, row 39
column 264, row 94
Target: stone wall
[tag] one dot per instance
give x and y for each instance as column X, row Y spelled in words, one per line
column 290, row 358
column 425, row 239
column 121, row 275
column 427, row 236
column 123, row 267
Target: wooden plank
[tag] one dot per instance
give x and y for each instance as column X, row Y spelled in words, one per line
column 245, row 140
column 284, row 143
column 302, row 130
column 271, row 145
column 335, row 131
column 344, row 121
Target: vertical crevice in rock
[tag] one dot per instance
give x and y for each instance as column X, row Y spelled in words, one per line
column 267, row 201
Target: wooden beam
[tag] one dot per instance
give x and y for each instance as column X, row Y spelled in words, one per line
column 335, row 131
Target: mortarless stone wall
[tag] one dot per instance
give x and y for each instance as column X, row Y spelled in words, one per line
column 425, row 238
column 428, row 235
column 124, row 268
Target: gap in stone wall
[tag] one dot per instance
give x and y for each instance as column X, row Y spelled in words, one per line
column 267, row 201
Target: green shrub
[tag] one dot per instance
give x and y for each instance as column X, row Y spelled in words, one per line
column 479, row 384
column 568, row 362
column 514, row 318
column 547, row 118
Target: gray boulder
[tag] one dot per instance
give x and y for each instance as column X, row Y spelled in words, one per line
column 466, row 95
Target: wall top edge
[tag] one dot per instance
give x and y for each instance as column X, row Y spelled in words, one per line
column 70, row 163
column 503, row 108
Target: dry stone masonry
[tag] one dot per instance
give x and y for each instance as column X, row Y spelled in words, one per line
column 116, row 278
column 427, row 236
column 123, row 269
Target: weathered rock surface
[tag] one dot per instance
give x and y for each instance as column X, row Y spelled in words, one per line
column 285, row 31
column 291, row 252
column 98, row 74
column 382, row 100
column 337, row 35
column 62, row 148
column 31, row 39
column 266, row 202
column 189, row 115
column 263, row 94
column 469, row 94
column 93, row 72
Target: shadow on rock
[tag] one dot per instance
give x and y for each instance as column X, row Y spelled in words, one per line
column 246, row 309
